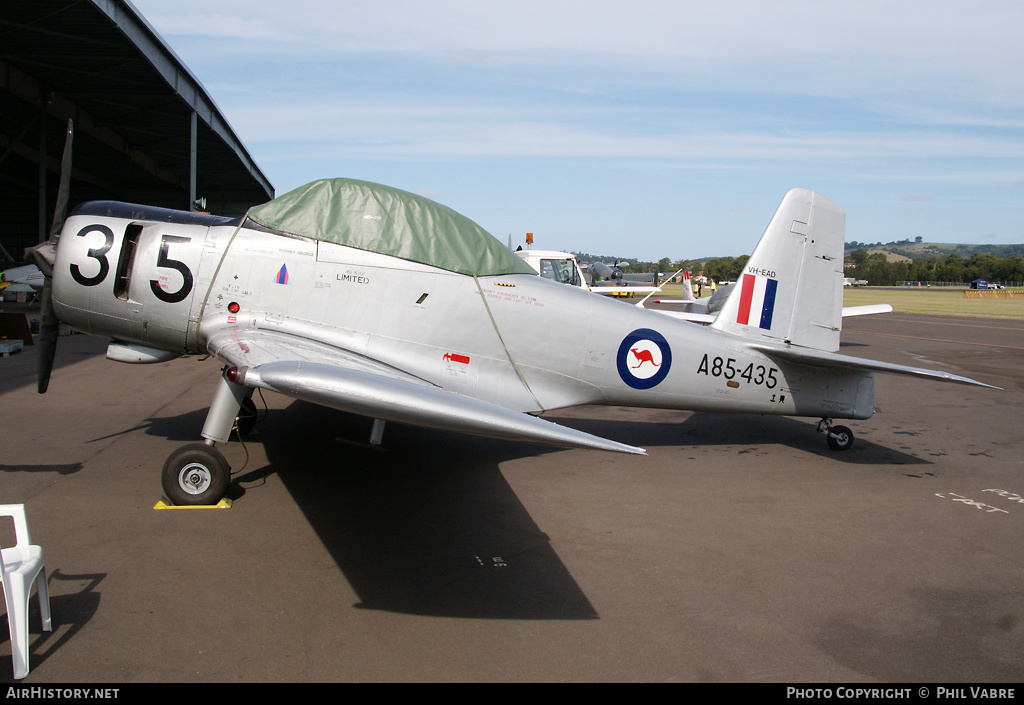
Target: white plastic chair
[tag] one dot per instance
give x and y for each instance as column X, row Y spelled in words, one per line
column 21, row 566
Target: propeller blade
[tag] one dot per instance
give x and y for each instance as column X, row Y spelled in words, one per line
column 60, row 209
column 49, row 327
column 43, row 256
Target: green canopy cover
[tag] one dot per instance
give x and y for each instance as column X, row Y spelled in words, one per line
column 392, row 222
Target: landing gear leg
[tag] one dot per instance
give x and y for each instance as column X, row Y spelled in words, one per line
column 839, row 437
column 377, row 432
column 246, row 419
column 227, row 401
column 198, row 473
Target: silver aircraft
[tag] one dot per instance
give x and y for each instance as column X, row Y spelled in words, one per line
column 382, row 303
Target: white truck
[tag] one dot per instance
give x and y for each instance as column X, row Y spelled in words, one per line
column 563, row 267
column 557, row 266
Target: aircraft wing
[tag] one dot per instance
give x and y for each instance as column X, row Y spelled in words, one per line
column 28, row 278
column 820, row 358
column 613, row 289
column 343, row 380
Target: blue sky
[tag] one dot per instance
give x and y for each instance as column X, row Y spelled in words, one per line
column 633, row 129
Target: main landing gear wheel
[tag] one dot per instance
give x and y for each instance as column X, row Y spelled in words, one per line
column 839, row 437
column 196, row 474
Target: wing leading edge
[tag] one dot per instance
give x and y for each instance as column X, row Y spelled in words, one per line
column 333, row 378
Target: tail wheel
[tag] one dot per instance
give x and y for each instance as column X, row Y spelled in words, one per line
column 840, row 438
column 196, row 474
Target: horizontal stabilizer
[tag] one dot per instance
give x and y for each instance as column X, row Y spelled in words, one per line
column 693, row 317
column 706, row 318
column 866, row 310
column 820, row 358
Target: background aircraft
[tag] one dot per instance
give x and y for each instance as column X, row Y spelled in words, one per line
column 705, row 310
column 608, row 279
column 379, row 302
column 563, row 267
column 26, row 278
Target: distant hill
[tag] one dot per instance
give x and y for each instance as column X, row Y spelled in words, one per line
column 912, row 250
column 904, row 250
column 633, row 261
column 607, row 259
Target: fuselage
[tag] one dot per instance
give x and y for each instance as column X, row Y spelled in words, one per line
column 171, row 281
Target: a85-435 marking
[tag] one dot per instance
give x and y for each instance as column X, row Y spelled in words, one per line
column 726, row 367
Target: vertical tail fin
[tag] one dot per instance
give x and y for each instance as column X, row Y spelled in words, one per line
column 688, row 288
column 791, row 289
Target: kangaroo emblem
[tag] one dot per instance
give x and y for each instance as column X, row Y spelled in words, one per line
column 643, row 356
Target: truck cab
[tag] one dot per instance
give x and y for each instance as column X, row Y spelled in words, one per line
column 557, row 266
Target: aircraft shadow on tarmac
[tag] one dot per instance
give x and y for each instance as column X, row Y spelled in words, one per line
column 427, row 523
column 183, row 428
column 64, row 469
column 697, row 429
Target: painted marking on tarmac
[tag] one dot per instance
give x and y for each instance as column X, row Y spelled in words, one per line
column 971, row 502
column 1008, row 496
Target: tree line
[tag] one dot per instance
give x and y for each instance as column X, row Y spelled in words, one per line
column 720, row 269
column 875, row 268
column 879, row 271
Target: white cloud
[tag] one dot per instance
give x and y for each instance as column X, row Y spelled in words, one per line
column 216, row 26
column 957, row 31
column 740, row 99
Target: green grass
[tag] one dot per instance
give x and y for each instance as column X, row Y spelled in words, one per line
column 932, row 301
column 937, row 301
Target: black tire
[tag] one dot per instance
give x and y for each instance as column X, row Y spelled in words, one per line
column 196, row 474
column 840, row 438
column 246, row 419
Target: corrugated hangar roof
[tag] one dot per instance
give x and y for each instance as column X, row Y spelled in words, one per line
column 132, row 102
